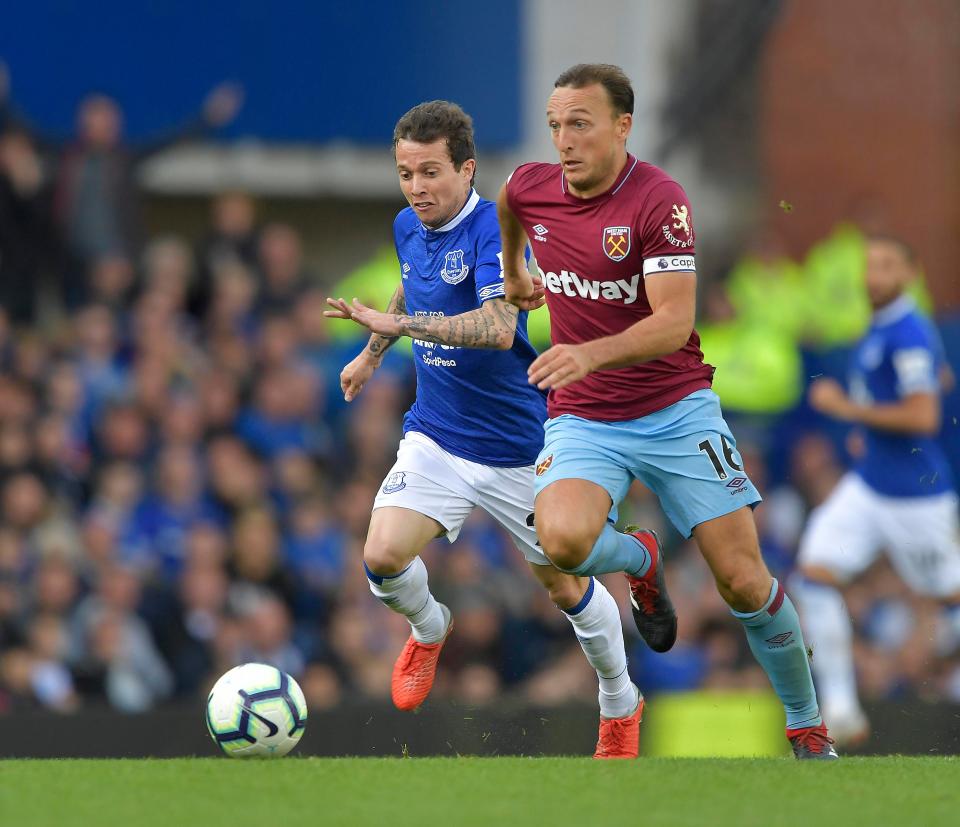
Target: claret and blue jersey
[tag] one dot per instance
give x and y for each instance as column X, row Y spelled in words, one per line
column 476, row 404
column 901, row 354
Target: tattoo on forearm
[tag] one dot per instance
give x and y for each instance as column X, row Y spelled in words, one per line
column 378, row 344
column 485, row 327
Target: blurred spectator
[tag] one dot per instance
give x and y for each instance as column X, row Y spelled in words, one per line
column 112, row 649
column 267, row 636
column 281, row 268
column 96, row 202
column 163, row 519
column 24, row 225
column 233, row 238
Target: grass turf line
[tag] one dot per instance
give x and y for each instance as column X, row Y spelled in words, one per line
column 478, row 791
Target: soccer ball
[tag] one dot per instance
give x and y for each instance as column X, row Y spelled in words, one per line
column 256, row 710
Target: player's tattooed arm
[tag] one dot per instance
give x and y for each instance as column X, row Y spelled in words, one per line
column 491, row 326
column 378, row 344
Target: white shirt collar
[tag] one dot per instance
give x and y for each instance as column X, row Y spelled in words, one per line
column 893, row 312
column 454, row 222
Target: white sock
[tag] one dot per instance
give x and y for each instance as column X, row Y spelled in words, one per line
column 408, row 594
column 829, row 633
column 596, row 621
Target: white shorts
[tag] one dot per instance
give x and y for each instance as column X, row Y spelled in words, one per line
column 921, row 536
column 435, row 483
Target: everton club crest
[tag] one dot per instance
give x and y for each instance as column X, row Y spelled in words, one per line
column 616, row 242
column 454, row 270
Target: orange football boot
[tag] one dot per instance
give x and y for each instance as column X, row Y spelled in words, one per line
column 620, row 737
column 414, row 671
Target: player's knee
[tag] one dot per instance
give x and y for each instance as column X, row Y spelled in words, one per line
column 566, row 544
column 383, row 556
column 745, row 589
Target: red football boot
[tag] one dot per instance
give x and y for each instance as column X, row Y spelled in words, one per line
column 812, row 742
column 653, row 611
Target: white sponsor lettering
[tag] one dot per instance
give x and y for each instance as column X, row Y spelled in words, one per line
column 570, row 284
column 668, row 264
column 437, row 362
column 676, row 242
column 587, row 289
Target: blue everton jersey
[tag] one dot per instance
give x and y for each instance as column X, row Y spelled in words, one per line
column 476, row 404
column 901, row 354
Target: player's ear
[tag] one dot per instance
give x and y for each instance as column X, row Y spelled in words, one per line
column 468, row 168
column 624, row 125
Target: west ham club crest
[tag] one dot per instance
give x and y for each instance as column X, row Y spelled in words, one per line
column 616, row 242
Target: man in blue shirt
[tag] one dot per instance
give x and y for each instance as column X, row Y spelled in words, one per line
column 899, row 497
column 476, row 427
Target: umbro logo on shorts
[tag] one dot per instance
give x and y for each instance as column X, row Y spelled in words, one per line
column 543, row 466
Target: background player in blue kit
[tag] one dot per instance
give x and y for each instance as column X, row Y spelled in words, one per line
column 899, row 497
column 475, row 429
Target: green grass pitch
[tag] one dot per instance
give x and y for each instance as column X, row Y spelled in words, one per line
column 461, row 792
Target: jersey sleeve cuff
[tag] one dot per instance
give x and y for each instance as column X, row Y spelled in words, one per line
column 491, row 291
column 670, row 263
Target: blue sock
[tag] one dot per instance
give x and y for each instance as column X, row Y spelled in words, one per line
column 776, row 641
column 615, row 551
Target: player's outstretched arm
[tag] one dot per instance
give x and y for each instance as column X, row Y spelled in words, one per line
column 915, row 413
column 490, row 326
column 355, row 375
column 378, row 344
column 520, row 288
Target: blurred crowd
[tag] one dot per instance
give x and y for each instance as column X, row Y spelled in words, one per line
column 183, row 488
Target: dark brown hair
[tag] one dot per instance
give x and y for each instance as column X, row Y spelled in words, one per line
column 433, row 120
column 610, row 77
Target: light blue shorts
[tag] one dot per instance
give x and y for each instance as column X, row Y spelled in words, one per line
column 684, row 453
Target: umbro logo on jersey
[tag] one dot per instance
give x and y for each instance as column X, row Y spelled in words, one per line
column 540, row 231
column 405, row 270
column 490, row 292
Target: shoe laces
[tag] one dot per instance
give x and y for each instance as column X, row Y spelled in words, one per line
column 613, row 736
column 815, row 739
column 645, row 592
column 418, row 655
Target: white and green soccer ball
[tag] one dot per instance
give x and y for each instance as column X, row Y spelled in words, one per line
column 256, row 710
